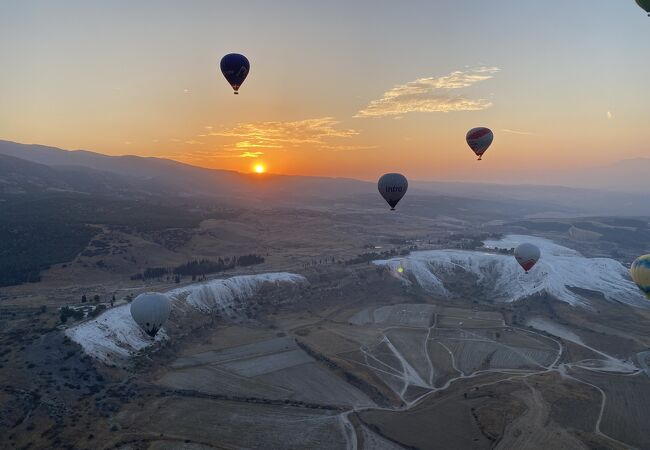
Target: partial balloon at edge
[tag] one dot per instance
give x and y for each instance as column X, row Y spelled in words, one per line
column 645, row 5
column 640, row 273
column 235, row 68
column 392, row 187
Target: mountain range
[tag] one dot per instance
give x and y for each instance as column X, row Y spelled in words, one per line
column 27, row 168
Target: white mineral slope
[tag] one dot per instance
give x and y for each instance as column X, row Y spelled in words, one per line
column 502, row 279
column 221, row 294
column 114, row 336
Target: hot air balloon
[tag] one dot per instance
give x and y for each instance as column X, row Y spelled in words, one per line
column 235, row 68
column 392, row 186
column 527, row 255
column 150, row 311
column 640, row 273
column 479, row 140
column 645, row 4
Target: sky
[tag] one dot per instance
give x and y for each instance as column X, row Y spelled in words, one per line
column 336, row 88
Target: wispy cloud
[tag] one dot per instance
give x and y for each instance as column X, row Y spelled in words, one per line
column 526, row 133
column 347, row 148
column 207, row 155
column 431, row 95
column 321, row 133
column 251, row 154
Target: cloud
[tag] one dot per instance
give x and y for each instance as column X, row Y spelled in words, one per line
column 205, row 156
column 251, row 154
column 525, row 133
column 248, row 144
column 319, row 133
column 431, row 95
column 347, row 148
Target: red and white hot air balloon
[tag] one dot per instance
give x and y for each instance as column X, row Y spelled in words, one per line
column 527, row 255
column 479, row 140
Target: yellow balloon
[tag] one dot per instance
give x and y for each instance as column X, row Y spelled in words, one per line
column 640, row 273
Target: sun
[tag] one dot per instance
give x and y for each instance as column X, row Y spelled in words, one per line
column 259, row 168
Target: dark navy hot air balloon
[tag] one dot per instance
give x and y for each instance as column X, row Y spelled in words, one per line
column 235, row 68
column 392, row 186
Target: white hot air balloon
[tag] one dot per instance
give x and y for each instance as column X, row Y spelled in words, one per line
column 150, row 311
column 527, row 255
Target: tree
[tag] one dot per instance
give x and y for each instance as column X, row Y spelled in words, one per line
column 97, row 310
column 83, row 298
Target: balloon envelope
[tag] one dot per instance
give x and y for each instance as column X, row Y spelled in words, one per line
column 235, row 68
column 479, row 140
column 392, row 186
column 150, row 311
column 527, row 255
column 645, row 4
column 640, row 273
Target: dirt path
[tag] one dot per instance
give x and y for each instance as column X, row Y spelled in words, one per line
column 532, row 430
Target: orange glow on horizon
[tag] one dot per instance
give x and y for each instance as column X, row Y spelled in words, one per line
column 259, row 168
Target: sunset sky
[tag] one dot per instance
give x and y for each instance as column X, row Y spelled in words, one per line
column 337, row 88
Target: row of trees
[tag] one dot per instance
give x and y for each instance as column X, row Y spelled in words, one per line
column 367, row 257
column 66, row 313
column 199, row 267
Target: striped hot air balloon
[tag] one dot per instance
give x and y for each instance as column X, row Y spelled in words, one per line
column 479, row 140
column 640, row 273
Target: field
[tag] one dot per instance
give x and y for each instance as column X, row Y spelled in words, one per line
column 355, row 356
column 232, row 424
column 627, row 407
column 271, row 369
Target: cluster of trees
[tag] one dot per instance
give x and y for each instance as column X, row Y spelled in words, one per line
column 367, row 257
column 66, row 312
column 199, row 267
column 40, row 230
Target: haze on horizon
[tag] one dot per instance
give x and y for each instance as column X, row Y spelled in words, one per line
column 335, row 89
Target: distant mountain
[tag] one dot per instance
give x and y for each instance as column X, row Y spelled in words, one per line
column 19, row 176
column 626, row 175
column 551, row 199
column 32, row 167
column 184, row 180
